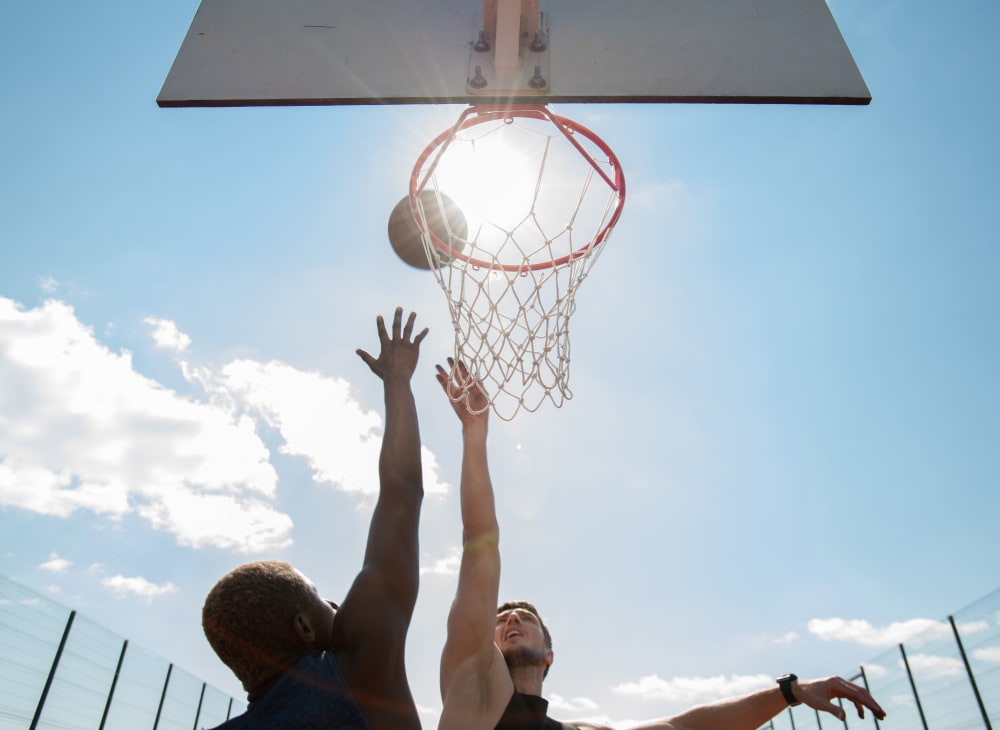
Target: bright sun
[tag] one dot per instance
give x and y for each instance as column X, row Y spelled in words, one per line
column 490, row 179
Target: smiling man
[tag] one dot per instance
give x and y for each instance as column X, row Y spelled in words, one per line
column 495, row 659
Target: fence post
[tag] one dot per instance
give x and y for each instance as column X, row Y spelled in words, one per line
column 864, row 678
column 201, row 699
column 163, row 696
column 52, row 672
column 913, row 686
column 114, row 683
column 972, row 678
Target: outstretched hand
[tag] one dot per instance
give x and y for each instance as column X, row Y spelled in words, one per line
column 820, row 693
column 466, row 393
column 399, row 354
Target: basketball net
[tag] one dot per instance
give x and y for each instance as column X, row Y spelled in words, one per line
column 541, row 194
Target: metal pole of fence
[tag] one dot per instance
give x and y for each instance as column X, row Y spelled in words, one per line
column 972, row 678
column 114, row 683
column 864, row 678
column 791, row 717
column 913, row 686
column 52, row 672
column 229, row 710
column 201, row 699
column 840, row 702
column 163, row 696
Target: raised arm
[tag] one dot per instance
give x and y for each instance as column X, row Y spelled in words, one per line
column 474, row 677
column 371, row 625
column 751, row 711
column 392, row 538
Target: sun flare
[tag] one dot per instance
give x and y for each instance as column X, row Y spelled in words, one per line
column 491, row 179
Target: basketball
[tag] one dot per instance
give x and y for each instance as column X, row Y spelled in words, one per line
column 404, row 234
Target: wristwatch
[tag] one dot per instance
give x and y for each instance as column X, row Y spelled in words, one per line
column 785, row 684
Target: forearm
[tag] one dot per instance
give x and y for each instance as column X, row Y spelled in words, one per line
column 399, row 463
column 479, row 521
column 748, row 712
column 392, row 548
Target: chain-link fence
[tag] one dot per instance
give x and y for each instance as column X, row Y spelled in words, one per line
column 945, row 678
column 60, row 671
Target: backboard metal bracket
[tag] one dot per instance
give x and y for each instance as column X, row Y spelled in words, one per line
column 513, row 58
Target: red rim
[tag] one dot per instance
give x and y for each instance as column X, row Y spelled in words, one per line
column 480, row 114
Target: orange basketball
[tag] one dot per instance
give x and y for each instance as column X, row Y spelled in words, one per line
column 404, row 235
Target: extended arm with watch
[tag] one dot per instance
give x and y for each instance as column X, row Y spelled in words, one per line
column 751, row 711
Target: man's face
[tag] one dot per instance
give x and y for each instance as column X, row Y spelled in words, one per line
column 520, row 638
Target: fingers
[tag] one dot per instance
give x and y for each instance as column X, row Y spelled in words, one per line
column 447, row 379
column 399, row 329
column 455, row 380
column 369, row 360
column 397, row 318
column 839, row 688
column 442, row 377
column 383, row 336
column 873, row 706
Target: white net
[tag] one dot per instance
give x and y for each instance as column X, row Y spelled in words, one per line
column 540, row 194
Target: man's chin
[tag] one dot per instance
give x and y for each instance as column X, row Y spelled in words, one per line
column 518, row 657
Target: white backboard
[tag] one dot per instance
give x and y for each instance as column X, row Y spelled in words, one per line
column 329, row 52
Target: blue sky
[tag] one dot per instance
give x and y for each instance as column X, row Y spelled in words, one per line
column 784, row 364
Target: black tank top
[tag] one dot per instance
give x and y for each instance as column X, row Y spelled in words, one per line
column 527, row 712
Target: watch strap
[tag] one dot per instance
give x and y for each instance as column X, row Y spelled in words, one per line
column 785, row 684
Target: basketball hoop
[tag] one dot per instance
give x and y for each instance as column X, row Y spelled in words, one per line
column 538, row 213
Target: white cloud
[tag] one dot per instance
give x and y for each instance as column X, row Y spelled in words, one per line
column 990, row 654
column 559, row 705
column 790, row 638
column 694, row 690
column 80, row 429
column 319, row 420
column 934, row 666
column 448, row 565
column 913, row 631
column 167, row 336
column 48, row 284
column 55, row 564
column 198, row 520
column 875, row 671
column 138, row 586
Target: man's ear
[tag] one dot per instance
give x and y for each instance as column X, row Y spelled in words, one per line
column 304, row 628
column 549, row 657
